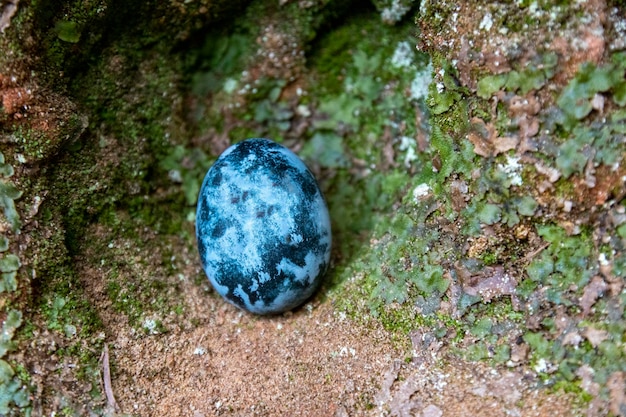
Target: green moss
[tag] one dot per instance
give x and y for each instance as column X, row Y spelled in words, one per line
column 64, row 304
column 532, row 77
column 11, row 323
column 8, row 194
column 63, row 307
column 403, row 268
column 67, row 31
column 565, row 264
column 575, row 99
column 134, row 293
column 80, row 30
column 12, row 392
column 124, row 300
column 9, row 265
column 490, row 84
column 573, row 387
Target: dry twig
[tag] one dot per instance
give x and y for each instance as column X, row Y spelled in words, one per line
column 106, row 376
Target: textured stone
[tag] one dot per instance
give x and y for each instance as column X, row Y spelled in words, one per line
column 263, row 228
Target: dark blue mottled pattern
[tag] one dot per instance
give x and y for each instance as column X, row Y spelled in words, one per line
column 263, row 228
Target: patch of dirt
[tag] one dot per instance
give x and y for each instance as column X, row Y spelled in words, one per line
column 218, row 360
column 309, row 363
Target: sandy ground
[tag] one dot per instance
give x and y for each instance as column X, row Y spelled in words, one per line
column 304, row 364
column 310, row 362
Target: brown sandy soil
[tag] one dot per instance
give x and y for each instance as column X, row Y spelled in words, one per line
column 311, row 362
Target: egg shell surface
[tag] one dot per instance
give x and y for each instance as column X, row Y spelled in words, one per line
column 262, row 227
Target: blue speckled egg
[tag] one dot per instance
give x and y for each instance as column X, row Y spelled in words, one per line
column 263, row 227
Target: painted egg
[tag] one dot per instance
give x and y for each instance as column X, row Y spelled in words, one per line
column 263, row 228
